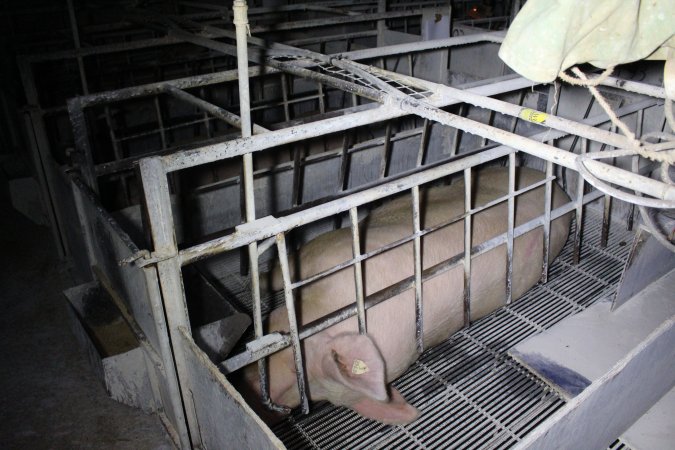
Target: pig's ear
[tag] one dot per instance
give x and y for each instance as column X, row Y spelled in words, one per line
column 394, row 412
column 355, row 361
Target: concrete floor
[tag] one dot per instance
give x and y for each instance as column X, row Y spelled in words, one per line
column 49, row 396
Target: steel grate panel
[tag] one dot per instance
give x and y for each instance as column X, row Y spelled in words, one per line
column 471, row 394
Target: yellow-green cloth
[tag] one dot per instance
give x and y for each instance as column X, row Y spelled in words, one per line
column 548, row 36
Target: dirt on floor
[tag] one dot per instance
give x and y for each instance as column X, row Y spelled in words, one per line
column 49, row 396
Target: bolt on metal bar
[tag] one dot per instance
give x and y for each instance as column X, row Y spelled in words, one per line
column 358, row 271
column 467, row 246
column 510, row 225
column 417, row 255
column 579, row 208
column 292, row 322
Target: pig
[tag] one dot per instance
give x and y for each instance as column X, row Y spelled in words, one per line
column 354, row 370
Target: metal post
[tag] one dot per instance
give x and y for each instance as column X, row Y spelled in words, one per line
column 158, row 206
column 467, row 247
column 510, row 226
column 417, row 255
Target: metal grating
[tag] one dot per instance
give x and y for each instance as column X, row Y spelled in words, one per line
column 470, row 393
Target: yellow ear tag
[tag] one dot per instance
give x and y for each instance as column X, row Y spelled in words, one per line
column 359, row 367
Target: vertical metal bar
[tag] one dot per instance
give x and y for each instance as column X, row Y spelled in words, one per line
column 297, row 176
column 467, row 247
column 207, row 122
column 607, row 205
column 116, row 150
column 424, row 142
column 358, row 271
column 410, row 65
column 160, row 122
column 284, row 96
column 386, row 151
column 579, row 208
column 344, row 161
column 76, row 41
column 158, row 206
column 82, row 144
column 457, row 134
column 548, row 194
column 510, row 226
column 322, row 100
column 417, row 255
column 241, row 24
column 635, row 165
column 491, row 117
column 292, row 322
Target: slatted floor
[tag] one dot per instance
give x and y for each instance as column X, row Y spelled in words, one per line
column 470, row 393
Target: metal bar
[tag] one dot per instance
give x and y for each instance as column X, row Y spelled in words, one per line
column 415, row 47
column 467, row 246
column 116, row 150
column 424, row 142
column 510, row 226
column 358, row 271
column 314, row 23
column 216, row 111
column 343, row 176
column 548, row 194
column 292, row 322
column 635, row 165
column 579, row 208
column 417, row 255
column 82, row 143
column 158, row 206
column 386, row 151
column 458, row 132
column 76, row 41
column 160, row 123
column 284, row 96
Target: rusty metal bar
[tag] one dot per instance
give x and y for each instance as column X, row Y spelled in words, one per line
column 579, row 208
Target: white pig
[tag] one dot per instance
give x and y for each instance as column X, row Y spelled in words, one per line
column 354, row 370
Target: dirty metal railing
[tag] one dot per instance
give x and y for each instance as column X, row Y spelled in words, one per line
column 169, row 259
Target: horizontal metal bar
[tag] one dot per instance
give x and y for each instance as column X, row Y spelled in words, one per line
column 496, row 37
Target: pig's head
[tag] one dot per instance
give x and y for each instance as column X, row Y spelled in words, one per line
column 346, row 369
